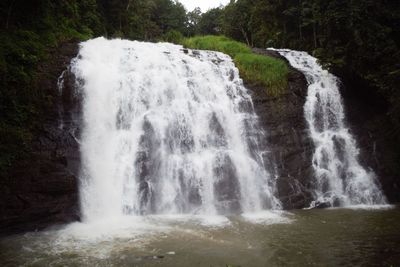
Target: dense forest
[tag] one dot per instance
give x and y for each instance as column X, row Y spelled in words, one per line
column 355, row 38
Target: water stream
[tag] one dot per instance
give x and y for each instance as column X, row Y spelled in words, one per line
column 340, row 178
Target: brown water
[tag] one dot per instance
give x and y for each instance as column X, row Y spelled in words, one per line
column 333, row 237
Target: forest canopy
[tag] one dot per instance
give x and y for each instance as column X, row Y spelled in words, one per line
column 356, row 38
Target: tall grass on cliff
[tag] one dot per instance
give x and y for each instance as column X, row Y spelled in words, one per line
column 262, row 70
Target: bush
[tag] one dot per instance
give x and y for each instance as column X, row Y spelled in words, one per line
column 173, row 36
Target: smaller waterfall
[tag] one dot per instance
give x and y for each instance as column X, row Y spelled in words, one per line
column 341, row 180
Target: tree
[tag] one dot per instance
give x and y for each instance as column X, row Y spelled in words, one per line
column 235, row 20
column 192, row 21
column 210, row 22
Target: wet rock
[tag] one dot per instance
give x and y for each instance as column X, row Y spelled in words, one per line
column 322, row 205
column 288, row 141
column 293, row 194
column 158, row 257
column 226, row 186
column 367, row 116
column 43, row 190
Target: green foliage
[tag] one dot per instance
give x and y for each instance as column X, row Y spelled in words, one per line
column 28, row 31
column 217, row 43
column 359, row 39
column 21, row 52
column 267, row 71
column 142, row 19
column 173, row 36
column 210, row 22
column 262, row 70
column 192, row 21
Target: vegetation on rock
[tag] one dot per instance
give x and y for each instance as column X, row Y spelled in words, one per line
column 258, row 69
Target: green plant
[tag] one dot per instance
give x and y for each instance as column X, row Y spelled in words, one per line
column 267, row 71
column 262, row 70
column 216, row 43
column 173, row 36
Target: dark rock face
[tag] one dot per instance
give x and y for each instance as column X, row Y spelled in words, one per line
column 287, row 137
column 367, row 116
column 43, row 190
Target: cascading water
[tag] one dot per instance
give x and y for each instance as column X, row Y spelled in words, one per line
column 341, row 180
column 167, row 131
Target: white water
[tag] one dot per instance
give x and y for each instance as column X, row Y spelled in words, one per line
column 341, row 180
column 167, row 132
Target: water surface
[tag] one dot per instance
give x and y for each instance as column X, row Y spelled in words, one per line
column 332, row 237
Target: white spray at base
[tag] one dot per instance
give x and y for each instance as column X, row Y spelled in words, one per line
column 341, row 180
column 167, row 131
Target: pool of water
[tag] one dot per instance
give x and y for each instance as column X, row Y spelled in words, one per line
column 330, row 237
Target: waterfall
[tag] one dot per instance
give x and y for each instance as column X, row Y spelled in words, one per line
column 340, row 178
column 167, row 130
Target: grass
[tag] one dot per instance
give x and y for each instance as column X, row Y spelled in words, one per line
column 217, row 43
column 256, row 69
column 268, row 71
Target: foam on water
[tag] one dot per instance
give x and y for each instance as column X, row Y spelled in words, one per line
column 203, row 220
column 242, row 243
column 268, row 217
column 370, row 207
column 110, row 237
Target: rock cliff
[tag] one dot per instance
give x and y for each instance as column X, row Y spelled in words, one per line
column 287, row 136
column 43, row 190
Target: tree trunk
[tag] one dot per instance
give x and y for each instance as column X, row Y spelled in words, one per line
column 315, row 34
column 128, row 5
column 9, row 14
column 283, row 40
column 245, row 36
column 300, row 13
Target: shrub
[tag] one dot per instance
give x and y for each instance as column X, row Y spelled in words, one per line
column 173, row 36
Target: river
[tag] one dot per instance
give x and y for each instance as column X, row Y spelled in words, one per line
column 329, row 237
